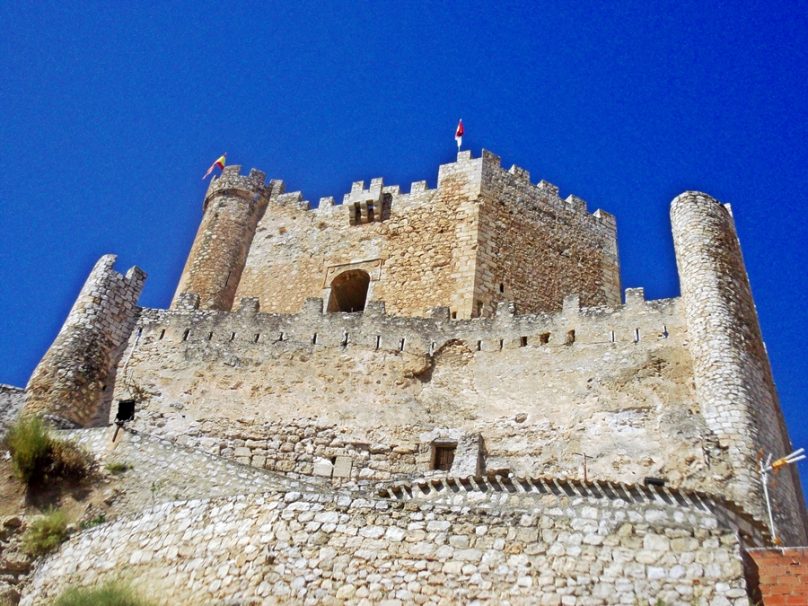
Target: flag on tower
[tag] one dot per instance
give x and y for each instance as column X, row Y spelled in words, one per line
column 220, row 161
column 459, row 133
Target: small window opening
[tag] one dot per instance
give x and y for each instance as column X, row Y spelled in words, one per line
column 501, row 287
column 522, row 341
column 139, row 331
column 314, row 339
column 256, row 337
column 454, row 315
column 378, row 341
column 544, row 338
column 636, row 335
column 344, row 342
column 357, row 213
column 432, row 347
column 281, row 337
column 611, row 336
column 401, row 345
column 162, row 334
column 570, row 337
column 126, row 411
column 333, row 460
column 665, row 332
column 185, row 334
column 479, row 308
column 210, row 335
column 501, row 344
column 232, row 336
column 104, row 387
column 443, row 456
column 479, row 345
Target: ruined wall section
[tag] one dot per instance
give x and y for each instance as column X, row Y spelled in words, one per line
column 233, row 205
column 555, row 547
column 535, row 248
column 417, row 248
column 11, row 402
column 612, row 382
column 731, row 368
column 73, row 381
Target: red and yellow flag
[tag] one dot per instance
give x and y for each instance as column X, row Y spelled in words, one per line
column 220, row 162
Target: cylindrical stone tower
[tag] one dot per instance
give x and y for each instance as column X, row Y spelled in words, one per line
column 233, row 206
column 70, row 382
column 731, row 369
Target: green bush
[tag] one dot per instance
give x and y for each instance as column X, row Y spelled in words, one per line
column 30, row 446
column 101, row 518
column 117, row 468
column 37, row 456
column 45, row 533
column 109, row 594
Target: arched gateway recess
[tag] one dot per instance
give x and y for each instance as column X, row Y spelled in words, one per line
column 349, row 290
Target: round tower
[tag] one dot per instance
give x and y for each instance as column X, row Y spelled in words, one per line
column 73, row 382
column 232, row 208
column 733, row 381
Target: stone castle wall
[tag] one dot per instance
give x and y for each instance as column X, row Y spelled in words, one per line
column 730, row 366
column 535, row 248
column 294, row 393
column 437, row 247
column 74, row 380
column 556, row 546
column 232, row 208
column 11, row 402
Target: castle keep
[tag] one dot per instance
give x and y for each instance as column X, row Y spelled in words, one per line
column 411, row 386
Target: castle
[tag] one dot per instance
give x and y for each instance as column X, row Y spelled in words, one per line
column 432, row 396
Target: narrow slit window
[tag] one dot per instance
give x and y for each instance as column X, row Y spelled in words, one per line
column 479, row 345
column 256, row 337
column 401, row 345
column 139, row 331
column 432, row 347
column 665, row 332
column 281, row 337
column 314, row 339
column 522, row 341
column 611, row 336
column 501, row 287
column 454, row 315
column 162, row 334
column 344, row 342
column 232, row 336
column 210, row 335
column 378, row 341
column 636, row 335
column 501, row 344
column 185, row 334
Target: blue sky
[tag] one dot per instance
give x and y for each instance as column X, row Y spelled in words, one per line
column 111, row 112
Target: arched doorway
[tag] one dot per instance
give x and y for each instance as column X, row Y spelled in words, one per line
column 349, row 290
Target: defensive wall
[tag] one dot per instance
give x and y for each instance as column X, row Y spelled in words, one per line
column 550, row 543
column 72, row 384
column 11, row 403
column 482, row 236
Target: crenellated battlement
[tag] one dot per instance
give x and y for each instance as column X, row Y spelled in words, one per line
column 232, row 183
column 246, row 329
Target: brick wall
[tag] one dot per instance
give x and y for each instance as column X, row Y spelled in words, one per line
column 781, row 574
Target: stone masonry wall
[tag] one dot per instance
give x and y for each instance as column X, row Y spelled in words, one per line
column 731, row 368
column 295, row 393
column 428, row 248
column 233, row 205
column 535, row 249
column 73, row 381
column 11, row 402
column 352, row 549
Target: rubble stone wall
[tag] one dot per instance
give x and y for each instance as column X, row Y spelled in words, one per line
column 430, row 248
column 535, row 248
column 11, row 402
column 293, row 393
column 74, row 380
column 325, row 548
column 730, row 365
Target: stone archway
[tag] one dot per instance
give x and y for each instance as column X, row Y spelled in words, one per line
column 349, row 291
